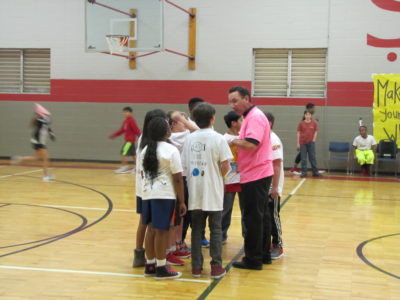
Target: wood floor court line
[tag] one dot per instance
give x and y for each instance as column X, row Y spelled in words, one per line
column 210, row 288
column 365, row 259
column 92, row 273
column 327, row 268
column 21, row 173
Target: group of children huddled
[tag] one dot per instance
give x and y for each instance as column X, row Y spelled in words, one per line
column 186, row 174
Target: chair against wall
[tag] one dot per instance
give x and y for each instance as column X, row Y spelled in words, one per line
column 339, row 151
column 386, row 152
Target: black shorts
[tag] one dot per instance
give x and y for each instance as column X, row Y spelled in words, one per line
column 139, row 204
column 128, row 149
column 38, row 146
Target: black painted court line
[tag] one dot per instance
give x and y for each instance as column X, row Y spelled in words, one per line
column 83, row 224
column 215, row 282
column 364, row 259
column 81, row 228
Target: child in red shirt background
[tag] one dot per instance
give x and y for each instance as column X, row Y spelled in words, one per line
column 307, row 132
column 131, row 133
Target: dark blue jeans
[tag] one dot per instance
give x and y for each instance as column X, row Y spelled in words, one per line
column 310, row 150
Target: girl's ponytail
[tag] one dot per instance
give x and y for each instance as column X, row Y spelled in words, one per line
column 157, row 129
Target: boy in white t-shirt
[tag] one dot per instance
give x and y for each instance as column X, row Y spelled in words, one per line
column 205, row 159
column 232, row 180
column 275, row 192
column 364, row 146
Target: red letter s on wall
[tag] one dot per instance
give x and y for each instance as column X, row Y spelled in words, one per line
column 373, row 41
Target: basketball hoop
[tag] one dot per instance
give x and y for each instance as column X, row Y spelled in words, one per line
column 117, row 43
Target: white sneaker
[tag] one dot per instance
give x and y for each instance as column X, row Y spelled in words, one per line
column 48, row 178
column 122, row 170
column 15, row 160
column 296, row 173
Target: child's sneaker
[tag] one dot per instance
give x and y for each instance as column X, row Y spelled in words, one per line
column 185, row 248
column 196, row 272
column 173, row 260
column 48, row 178
column 122, row 170
column 292, row 170
column 166, row 273
column 217, row 271
column 205, row 243
column 138, row 258
column 181, row 254
column 276, row 252
column 150, row 270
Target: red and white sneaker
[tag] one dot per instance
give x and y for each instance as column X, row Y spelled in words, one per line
column 295, row 171
column 217, row 271
column 173, row 260
column 164, row 272
column 196, row 272
column 181, row 254
column 276, row 252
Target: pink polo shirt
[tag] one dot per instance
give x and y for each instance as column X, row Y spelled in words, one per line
column 255, row 164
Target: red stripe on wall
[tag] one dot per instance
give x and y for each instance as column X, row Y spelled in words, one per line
column 179, row 91
column 358, row 94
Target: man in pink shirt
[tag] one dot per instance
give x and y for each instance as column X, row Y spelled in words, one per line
column 256, row 170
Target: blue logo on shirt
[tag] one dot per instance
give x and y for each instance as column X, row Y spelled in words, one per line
column 195, row 172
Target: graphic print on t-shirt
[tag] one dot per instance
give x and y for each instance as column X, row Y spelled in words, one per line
column 198, row 163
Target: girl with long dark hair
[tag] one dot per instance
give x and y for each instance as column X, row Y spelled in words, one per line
column 139, row 259
column 162, row 186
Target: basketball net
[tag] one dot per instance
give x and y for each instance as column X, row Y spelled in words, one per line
column 117, row 43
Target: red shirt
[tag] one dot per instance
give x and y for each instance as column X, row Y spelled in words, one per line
column 307, row 131
column 130, row 128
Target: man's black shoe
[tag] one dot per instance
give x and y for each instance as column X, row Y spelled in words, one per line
column 244, row 265
column 267, row 260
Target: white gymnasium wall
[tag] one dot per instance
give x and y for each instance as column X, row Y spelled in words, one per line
column 350, row 59
column 226, row 30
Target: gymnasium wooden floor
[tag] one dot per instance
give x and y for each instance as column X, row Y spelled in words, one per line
column 73, row 239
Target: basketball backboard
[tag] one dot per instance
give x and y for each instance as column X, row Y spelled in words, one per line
column 140, row 20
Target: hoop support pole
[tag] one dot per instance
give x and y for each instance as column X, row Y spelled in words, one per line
column 180, row 8
column 132, row 43
column 112, row 8
column 178, row 53
column 192, row 40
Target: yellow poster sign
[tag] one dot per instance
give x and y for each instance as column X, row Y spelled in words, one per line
column 387, row 107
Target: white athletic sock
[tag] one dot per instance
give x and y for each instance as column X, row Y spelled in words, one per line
column 161, row 262
column 151, row 261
